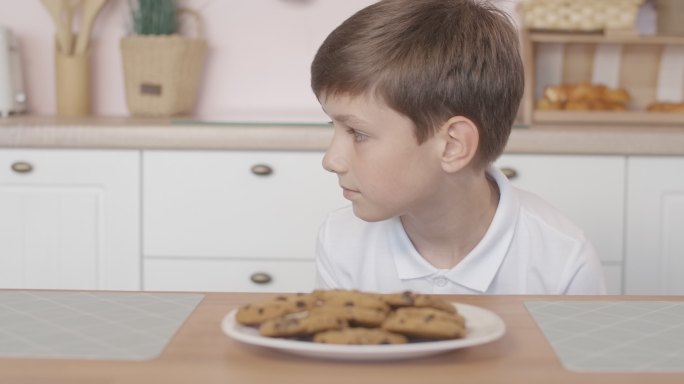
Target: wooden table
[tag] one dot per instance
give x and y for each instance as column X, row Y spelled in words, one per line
column 201, row 353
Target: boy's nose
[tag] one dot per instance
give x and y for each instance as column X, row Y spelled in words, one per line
column 333, row 161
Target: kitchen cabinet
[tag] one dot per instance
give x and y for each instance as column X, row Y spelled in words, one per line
column 238, row 220
column 220, row 220
column 229, row 274
column 590, row 190
column 70, row 219
column 228, row 207
column 655, row 225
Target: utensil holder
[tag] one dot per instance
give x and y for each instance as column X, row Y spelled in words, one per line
column 72, row 75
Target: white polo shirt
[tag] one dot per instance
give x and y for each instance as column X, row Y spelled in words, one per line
column 529, row 248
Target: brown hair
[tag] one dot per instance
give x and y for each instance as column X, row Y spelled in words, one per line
column 429, row 60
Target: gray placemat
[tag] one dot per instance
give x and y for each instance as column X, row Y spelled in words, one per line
column 614, row 336
column 90, row 325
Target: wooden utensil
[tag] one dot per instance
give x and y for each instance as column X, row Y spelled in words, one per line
column 91, row 8
column 69, row 9
column 56, row 8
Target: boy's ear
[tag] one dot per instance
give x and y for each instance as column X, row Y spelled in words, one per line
column 460, row 141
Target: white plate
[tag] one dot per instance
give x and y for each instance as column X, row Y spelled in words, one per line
column 482, row 326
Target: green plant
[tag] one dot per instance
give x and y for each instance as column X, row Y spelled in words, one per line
column 154, row 17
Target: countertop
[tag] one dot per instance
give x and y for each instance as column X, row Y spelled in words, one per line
column 137, row 133
column 201, row 353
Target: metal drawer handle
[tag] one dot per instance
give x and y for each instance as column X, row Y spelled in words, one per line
column 510, row 173
column 262, row 170
column 261, row 278
column 22, row 167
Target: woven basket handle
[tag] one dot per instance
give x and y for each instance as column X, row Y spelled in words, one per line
column 198, row 20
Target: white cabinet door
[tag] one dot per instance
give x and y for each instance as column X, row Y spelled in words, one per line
column 69, row 219
column 655, row 226
column 590, row 190
column 212, row 220
column 238, row 204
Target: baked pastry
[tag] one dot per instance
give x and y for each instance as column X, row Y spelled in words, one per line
column 301, row 324
column 583, row 96
column 412, row 299
column 257, row 313
column 548, row 105
column 359, row 336
column 425, row 323
column 350, row 298
column 665, row 107
column 586, row 92
column 356, row 316
column 557, row 93
column 619, row 96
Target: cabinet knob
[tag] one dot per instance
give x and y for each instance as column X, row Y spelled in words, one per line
column 22, row 167
column 262, row 170
column 510, row 173
column 261, row 278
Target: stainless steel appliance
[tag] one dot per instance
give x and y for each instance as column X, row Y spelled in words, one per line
column 12, row 93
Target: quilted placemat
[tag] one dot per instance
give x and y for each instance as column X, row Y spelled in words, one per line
column 90, row 325
column 614, row 336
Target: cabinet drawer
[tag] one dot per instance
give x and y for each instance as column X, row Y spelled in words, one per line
column 590, row 190
column 238, row 204
column 228, row 275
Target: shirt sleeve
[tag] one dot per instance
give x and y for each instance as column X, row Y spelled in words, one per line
column 588, row 278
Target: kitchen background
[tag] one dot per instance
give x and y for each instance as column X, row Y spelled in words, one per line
column 161, row 204
column 257, row 65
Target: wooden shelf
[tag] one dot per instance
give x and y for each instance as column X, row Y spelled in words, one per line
column 608, row 117
column 600, row 38
column 638, row 67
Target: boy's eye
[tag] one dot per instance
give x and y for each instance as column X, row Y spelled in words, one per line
column 358, row 136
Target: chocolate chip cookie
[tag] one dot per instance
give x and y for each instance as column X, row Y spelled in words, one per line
column 356, row 316
column 351, row 298
column 359, row 336
column 425, row 323
column 257, row 313
column 301, row 324
column 412, row 299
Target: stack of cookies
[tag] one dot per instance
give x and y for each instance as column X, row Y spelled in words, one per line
column 355, row 317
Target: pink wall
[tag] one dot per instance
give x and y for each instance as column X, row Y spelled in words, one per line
column 257, row 67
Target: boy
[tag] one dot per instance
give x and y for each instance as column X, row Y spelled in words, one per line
column 422, row 95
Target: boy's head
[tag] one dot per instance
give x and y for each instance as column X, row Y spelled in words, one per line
column 429, row 60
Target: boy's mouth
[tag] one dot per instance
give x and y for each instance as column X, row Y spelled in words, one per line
column 349, row 193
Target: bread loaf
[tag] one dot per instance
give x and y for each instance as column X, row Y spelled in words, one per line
column 583, row 97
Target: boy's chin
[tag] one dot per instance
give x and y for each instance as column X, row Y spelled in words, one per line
column 369, row 215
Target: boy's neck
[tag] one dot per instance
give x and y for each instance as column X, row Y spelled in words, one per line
column 449, row 233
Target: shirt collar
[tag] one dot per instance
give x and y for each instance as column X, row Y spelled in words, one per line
column 479, row 268
column 409, row 263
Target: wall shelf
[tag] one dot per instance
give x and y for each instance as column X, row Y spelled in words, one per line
column 650, row 68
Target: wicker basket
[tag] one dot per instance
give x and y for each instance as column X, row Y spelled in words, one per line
column 580, row 15
column 670, row 17
column 163, row 72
